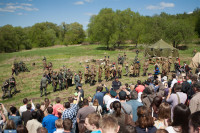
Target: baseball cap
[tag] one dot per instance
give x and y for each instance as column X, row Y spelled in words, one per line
column 113, row 93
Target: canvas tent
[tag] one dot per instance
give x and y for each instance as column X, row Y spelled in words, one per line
column 195, row 61
column 161, row 49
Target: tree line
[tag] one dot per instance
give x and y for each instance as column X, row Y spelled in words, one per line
column 113, row 28
column 108, row 27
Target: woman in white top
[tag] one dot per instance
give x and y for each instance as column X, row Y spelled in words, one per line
column 180, row 119
column 97, row 107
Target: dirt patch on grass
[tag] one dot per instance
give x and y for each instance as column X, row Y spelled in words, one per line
column 24, row 59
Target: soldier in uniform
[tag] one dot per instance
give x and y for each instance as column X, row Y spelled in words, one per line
column 12, row 84
column 119, row 72
column 15, row 68
column 76, row 80
column 86, row 75
column 170, row 61
column 107, row 72
column 43, row 85
column 132, row 70
column 5, row 89
column 54, row 78
column 44, row 64
column 125, row 56
column 50, row 66
column 100, row 73
column 126, row 68
column 137, row 69
column 119, row 59
column 69, row 77
column 61, row 80
column 93, row 75
column 145, row 67
column 177, row 66
column 80, row 74
column 164, row 68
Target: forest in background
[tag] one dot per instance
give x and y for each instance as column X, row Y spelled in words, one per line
column 110, row 28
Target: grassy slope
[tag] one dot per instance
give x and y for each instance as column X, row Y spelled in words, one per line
column 72, row 57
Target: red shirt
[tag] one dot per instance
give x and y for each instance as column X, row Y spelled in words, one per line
column 55, row 112
column 140, row 88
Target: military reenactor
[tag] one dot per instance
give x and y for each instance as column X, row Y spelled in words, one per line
column 100, row 71
column 93, row 75
column 5, row 89
column 137, row 69
column 43, row 85
column 165, row 68
column 15, row 68
column 107, row 72
column 145, row 67
column 54, row 78
column 76, row 80
column 50, row 66
column 122, row 60
column 177, row 66
column 80, row 74
column 126, row 68
column 69, row 77
column 44, row 59
column 170, row 62
column 151, row 61
column 119, row 71
column 65, row 74
column 44, row 65
column 132, row 71
column 86, row 75
column 125, row 56
column 119, row 59
column 12, row 84
column 61, row 80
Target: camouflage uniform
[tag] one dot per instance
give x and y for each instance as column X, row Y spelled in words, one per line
column 54, row 81
column 137, row 69
column 12, row 84
column 44, row 64
column 145, row 67
column 5, row 89
column 93, row 75
column 69, row 77
column 100, row 73
column 61, row 80
column 132, row 70
column 107, row 72
column 43, row 85
column 76, row 80
column 80, row 74
column 170, row 62
column 119, row 72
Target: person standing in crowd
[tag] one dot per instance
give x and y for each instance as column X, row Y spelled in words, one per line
column 180, row 119
column 116, row 84
column 43, row 85
column 3, row 120
column 34, row 124
column 92, row 123
column 59, row 126
column 80, row 89
column 194, row 122
column 139, row 87
column 67, row 125
column 174, row 80
column 23, row 108
column 13, row 116
column 194, row 104
column 40, row 113
column 27, row 114
column 155, row 104
column 109, row 124
column 134, row 104
column 100, row 94
column 145, row 122
column 56, row 107
column 49, row 121
column 113, row 94
column 10, row 127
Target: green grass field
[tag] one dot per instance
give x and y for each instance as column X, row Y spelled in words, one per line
column 72, row 57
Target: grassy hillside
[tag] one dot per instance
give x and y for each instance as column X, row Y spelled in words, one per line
column 72, row 57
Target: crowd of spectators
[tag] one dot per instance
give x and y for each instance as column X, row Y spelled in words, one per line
column 161, row 105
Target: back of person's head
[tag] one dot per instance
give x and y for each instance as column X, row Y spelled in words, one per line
column 145, row 119
column 164, row 111
column 162, row 131
column 126, row 84
column 13, row 110
column 181, row 115
column 96, row 102
column 85, row 102
column 184, row 78
column 38, row 106
column 134, row 95
column 99, row 88
column 194, row 78
column 173, row 76
column 122, row 95
column 67, row 105
column 196, row 87
column 93, row 119
column 67, row 124
column 46, row 102
column 10, row 125
column 156, row 82
column 139, row 82
column 59, row 123
column 109, row 124
column 22, row 129
column 194, row 122
column 70, row 99
column 149, row 80
column 156, row 102
column 177, row 87
column 42, row 130
column 50, row 110
column 58, row 99
column 80, row 104
column 28, row 106
column 34, row 114
column 25, row 100
column 128, row 129
column 117, row 108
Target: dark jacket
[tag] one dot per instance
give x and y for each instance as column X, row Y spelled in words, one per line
column 26, row 116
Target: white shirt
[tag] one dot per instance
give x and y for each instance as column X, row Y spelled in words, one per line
column 110, row 101
column 106, row 98
column 174, row 81
column 23, row 108
column 59, row 131
column 170, row 129
column 33, row 125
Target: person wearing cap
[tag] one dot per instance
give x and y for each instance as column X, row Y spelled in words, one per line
column 195, row 101
column 113, row 94
column 116, row 84
column 126, row 108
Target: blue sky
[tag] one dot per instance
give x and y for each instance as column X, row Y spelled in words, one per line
column 28, row 12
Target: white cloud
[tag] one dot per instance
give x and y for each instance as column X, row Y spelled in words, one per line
column 189, row 12
column 89, row 13
column 161, row 5
column 79, row 3
column 26, row 4
column 20, row 14
column 12, row 7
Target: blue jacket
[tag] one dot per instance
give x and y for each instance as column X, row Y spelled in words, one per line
column 49, row 123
